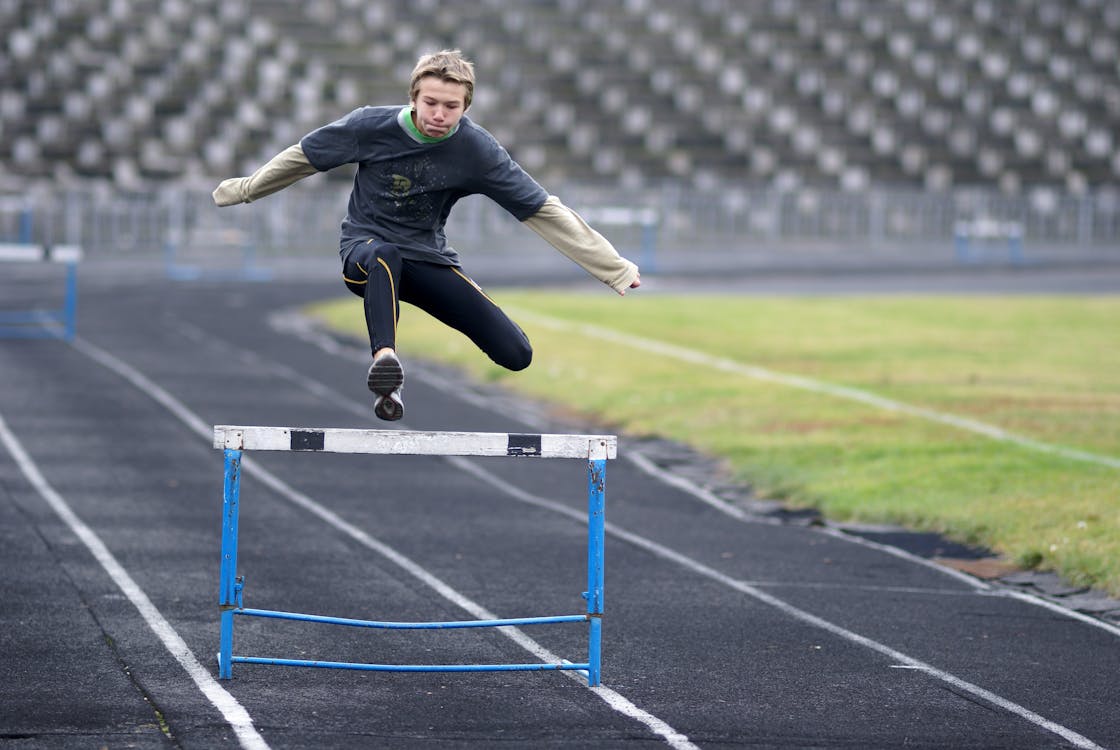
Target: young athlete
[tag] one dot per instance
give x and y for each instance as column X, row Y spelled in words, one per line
column 414, row 163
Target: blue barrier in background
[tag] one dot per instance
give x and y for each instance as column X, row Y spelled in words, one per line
column 50, row 322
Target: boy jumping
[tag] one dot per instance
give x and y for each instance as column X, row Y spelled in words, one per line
column 414, row 163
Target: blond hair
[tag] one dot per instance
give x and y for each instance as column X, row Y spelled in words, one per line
column 447, row 65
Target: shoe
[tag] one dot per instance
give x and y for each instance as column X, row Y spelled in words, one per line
column 385, row 378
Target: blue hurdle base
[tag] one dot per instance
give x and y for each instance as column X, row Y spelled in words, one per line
column 412, row 667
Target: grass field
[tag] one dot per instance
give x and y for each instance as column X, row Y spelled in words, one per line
column 851, row 405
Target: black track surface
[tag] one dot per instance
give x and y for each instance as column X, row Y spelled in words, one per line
column 710, row 621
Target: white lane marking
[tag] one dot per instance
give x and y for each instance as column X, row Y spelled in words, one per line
column 1058, row 608
column 305, row 332
column 613, row 699
column 233, row 712
column 816, row 386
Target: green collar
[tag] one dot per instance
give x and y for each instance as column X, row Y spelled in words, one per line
column 404, row 117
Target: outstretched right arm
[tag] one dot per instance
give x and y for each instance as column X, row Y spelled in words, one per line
column 290, row 165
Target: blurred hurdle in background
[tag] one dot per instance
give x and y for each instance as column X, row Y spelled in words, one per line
column 203, row 243
column 971, row 239
column 645, row 220
column 595, row 449
column 33, row 320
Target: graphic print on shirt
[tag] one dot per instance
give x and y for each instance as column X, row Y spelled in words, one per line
column 400, row 185
column 409, row 184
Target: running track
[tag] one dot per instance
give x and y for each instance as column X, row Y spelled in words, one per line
column 720, row 631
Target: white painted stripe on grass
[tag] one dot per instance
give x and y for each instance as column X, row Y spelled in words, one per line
column 842, row 391
column 810, row 384
column 615, row 700
column 233, row 712
column 295, row 324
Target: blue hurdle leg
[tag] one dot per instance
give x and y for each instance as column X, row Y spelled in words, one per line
column 596, row 490
column 229, row 597
column 70, row 310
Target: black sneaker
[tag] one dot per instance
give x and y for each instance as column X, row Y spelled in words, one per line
column 385, row 378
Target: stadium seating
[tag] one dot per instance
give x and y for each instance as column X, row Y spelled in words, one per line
column 834, row 93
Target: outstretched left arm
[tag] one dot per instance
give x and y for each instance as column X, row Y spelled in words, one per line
column 566, row 230
column 289, row 166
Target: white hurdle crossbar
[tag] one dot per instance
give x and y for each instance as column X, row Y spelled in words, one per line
column 595, row 449
column 43, row 323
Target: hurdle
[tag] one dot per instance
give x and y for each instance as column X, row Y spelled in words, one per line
column 205, row 244
column 235, row 440
column 971, row 237
column 645, row 219
column 49, row 323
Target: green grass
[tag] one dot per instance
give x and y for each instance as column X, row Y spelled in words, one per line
column 1043, row 368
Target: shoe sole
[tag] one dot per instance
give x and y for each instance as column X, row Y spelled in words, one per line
column 385, row 376
column 388, row 408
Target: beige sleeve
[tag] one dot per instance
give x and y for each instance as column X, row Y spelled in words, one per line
column 566, row 230
column 289, row 166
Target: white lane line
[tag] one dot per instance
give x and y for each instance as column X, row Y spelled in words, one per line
column 615, row 700
column 305, row 332
column 689, row 487
column 233, row 712
column 755, row 372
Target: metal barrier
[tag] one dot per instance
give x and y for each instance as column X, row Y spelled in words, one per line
column 595, row 449
column 668, row 228
column 43, row 323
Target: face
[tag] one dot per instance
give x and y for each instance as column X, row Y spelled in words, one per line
column 438, row 105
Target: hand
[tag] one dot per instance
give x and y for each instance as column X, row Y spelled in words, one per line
column 228, row 193
column 637, row 282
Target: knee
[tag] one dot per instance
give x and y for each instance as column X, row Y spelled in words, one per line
column 524, row 360
column 517, row 357
column 368, row 257
column 388, row 254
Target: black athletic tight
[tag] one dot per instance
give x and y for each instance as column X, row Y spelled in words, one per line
column 383, row 279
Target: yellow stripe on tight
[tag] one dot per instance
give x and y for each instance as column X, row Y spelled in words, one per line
column 352, row 281
column 471, row 281
column 393, row 292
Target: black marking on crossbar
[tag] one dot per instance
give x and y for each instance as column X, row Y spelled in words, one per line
column 523, row 445
column 308, row 440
